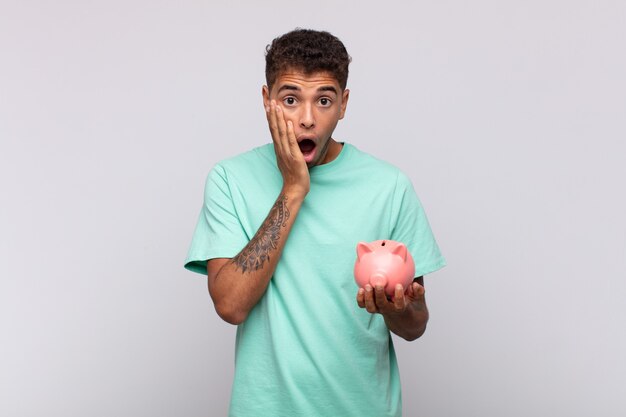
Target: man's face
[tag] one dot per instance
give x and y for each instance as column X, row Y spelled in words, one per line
column 314, row 103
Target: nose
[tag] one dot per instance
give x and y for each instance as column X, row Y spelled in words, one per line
column 378, row 278
column 307, row 118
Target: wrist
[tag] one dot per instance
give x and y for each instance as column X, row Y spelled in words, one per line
column 294, row 194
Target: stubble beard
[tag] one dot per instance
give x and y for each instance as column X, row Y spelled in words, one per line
column 321, row 155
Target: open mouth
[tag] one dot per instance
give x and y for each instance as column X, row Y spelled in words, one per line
column 307, row 146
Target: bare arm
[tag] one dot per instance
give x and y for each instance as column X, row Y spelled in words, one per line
column 406, row 316
column 237, row 284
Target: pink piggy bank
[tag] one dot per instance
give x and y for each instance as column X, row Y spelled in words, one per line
column 384, row 262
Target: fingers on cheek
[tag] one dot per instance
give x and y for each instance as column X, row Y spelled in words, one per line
column 273, row 115
column 290, row 131
column 282, row 122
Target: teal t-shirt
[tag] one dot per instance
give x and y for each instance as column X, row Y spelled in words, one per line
column 306, row 348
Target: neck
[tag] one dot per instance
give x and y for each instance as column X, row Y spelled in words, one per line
column 334, row 148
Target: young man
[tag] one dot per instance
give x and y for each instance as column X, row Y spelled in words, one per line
column 277, row 238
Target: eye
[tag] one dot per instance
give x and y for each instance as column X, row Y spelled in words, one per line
column 289, row 101
column 325, row 102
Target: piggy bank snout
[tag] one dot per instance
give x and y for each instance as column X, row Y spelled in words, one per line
column 378, row 278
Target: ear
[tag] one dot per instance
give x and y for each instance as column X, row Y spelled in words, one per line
column 344, row 103
column 400, row 250
column 265, row 92
column 362, row 248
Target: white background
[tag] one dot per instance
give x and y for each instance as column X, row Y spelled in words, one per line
column 508, row 116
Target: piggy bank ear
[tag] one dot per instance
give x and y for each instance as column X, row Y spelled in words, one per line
column 362, row 248
column 400, row 250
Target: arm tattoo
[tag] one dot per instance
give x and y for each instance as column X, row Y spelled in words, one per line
column 257, row 251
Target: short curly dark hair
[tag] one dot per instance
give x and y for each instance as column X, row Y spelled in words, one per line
column 308, row 51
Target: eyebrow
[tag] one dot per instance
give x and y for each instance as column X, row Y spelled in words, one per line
column 296, row 88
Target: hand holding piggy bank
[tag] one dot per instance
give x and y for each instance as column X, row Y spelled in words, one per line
column 383, row 262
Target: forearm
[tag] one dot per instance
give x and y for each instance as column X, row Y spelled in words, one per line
column 409, row 324
column 242, row 281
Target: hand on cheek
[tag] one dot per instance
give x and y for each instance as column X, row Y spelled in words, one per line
column 289, row 158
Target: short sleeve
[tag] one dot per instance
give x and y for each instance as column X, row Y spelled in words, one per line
column 410, row 226
column 218, row 233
